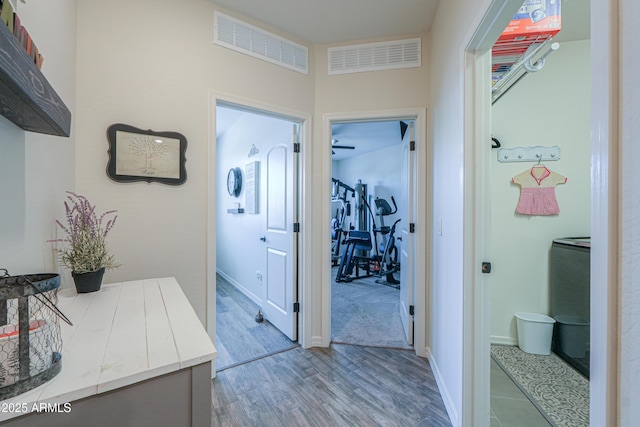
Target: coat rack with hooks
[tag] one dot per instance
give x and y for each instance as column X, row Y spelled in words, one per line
column 528, row 154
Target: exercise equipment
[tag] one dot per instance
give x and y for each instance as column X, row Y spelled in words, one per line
column 339, row 226
column 350, row 261
column 387, row 251
column 357, row 262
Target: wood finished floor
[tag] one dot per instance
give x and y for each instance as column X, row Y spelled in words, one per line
column 239, row 338
column 343, row 385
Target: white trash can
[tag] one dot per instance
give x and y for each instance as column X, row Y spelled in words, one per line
column 534, row 332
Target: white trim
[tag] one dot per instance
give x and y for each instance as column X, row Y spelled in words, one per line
column 502, row 340
column 246, row 292
column 449, row 404
column 604, row 377
column 305, row 248
column 477, row 302
column 423, row 193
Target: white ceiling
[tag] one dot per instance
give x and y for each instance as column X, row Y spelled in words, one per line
column 364, row 136
column 317, row 21
column 330, row 21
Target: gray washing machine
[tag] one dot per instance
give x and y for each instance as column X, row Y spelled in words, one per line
column 570, row 288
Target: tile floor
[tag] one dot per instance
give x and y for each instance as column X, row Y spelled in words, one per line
column 509, row 406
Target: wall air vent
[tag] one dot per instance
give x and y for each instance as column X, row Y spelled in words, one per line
column 244, row 38
column 375, row 56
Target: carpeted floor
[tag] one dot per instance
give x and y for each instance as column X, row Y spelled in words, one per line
column 364, row 312
column 559, row 391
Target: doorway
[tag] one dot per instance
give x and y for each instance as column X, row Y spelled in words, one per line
column 257, row 232
column 480, row 238
column 373, row 189
column 553, row 104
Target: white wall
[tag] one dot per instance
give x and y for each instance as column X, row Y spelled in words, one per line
column 36, row 169
column 152, row 64
column 550, row 107
column 240, row 253
column 452, row 29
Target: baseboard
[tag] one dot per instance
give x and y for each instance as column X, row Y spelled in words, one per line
column 500, row 340
column 444, row 392
column 253, row 297
column 317, row 342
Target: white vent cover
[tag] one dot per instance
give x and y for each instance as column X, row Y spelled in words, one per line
column 375, row 56
column 242, row 37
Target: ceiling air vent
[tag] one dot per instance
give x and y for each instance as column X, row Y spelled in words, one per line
column 374, row 56
column 244, row 38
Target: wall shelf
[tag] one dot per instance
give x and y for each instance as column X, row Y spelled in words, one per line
column 26, row 97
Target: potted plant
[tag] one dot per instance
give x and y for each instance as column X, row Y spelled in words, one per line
column 86, row 252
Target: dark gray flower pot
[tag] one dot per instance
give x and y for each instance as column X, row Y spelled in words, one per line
column 88, row 282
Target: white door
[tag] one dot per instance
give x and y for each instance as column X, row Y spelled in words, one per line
column 407, row 281
column 280, row 239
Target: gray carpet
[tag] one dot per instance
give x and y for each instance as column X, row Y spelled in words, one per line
column 366, row 313
column 560, row 392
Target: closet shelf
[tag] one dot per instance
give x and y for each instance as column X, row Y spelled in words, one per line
column 26, row 97
column 531, row 62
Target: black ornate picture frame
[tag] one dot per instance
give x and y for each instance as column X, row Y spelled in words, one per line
column 145, row 155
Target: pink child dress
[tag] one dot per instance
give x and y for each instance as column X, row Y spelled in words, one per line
column 537, row 191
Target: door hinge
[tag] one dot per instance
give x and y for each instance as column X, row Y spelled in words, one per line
column 296, row 307
column 412, row 146
column 296, row 227
column 296, row 147
column 486, row 267
column 412, row 228
column 412, row 310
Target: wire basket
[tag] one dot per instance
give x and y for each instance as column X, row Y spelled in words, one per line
column 30, row 339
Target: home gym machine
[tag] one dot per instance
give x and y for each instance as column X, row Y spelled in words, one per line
column 356, row 261
column 339, row 226
column 387, row 257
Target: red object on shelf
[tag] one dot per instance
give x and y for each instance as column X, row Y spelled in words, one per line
column 536, row 22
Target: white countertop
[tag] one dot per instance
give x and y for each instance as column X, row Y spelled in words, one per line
column 124, row 333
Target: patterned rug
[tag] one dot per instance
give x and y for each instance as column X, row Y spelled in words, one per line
column 555, row 388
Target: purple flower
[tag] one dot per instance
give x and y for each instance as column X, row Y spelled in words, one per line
column 85, row 235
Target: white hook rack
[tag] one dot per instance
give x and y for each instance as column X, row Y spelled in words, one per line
column 528, row 154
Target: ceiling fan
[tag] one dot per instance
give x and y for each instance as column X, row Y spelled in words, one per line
column 334, row 143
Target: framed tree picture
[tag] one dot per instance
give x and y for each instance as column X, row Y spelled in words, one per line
column 146, row 155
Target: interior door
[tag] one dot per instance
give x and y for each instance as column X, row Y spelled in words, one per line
column 280, row 239
column 407, row 273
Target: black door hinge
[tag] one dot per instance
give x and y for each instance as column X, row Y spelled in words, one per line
column 412, row 228
column 296, row 227
column 412, row 146
column 412, row 310
column 296, row 307
column 296, row 147
column 486, row 267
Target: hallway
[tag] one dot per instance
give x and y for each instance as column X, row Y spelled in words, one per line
column 342, row 385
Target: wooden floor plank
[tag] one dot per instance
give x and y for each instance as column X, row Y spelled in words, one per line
column 239, row 338
column 340, row 386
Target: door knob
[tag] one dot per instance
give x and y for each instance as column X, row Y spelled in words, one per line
column 263, row 238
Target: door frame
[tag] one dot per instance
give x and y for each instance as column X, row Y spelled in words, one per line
column 422, row 193
column 304, row 247
column 604, row 220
